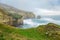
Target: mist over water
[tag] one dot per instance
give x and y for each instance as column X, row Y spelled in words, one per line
column 55, row 17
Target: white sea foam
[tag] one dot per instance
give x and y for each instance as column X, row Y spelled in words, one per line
column 29, row 23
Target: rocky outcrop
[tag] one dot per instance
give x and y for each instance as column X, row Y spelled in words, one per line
column 10, row 18
column 38, row 17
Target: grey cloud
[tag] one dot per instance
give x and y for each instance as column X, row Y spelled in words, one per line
column 31, row 4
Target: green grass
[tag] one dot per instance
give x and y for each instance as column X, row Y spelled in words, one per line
column 11, row 33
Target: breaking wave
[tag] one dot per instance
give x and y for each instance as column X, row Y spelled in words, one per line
column 29, row 23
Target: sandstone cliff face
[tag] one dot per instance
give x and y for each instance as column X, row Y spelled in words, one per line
column 10, row 9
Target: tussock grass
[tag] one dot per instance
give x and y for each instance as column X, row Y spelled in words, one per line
column 43, row 32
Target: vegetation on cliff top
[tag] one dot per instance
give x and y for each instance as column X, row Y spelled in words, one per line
column 43, row 32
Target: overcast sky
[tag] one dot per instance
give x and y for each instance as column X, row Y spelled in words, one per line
column 40, row 7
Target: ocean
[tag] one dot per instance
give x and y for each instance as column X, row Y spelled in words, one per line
column 33, row 23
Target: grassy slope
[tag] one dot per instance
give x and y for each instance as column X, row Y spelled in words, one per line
column 11, row 33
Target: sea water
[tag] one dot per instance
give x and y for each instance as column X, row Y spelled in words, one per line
column 30, row 23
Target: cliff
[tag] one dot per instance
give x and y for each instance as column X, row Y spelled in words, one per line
column 11, row 9
column 10, row 18
column 12, row 15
